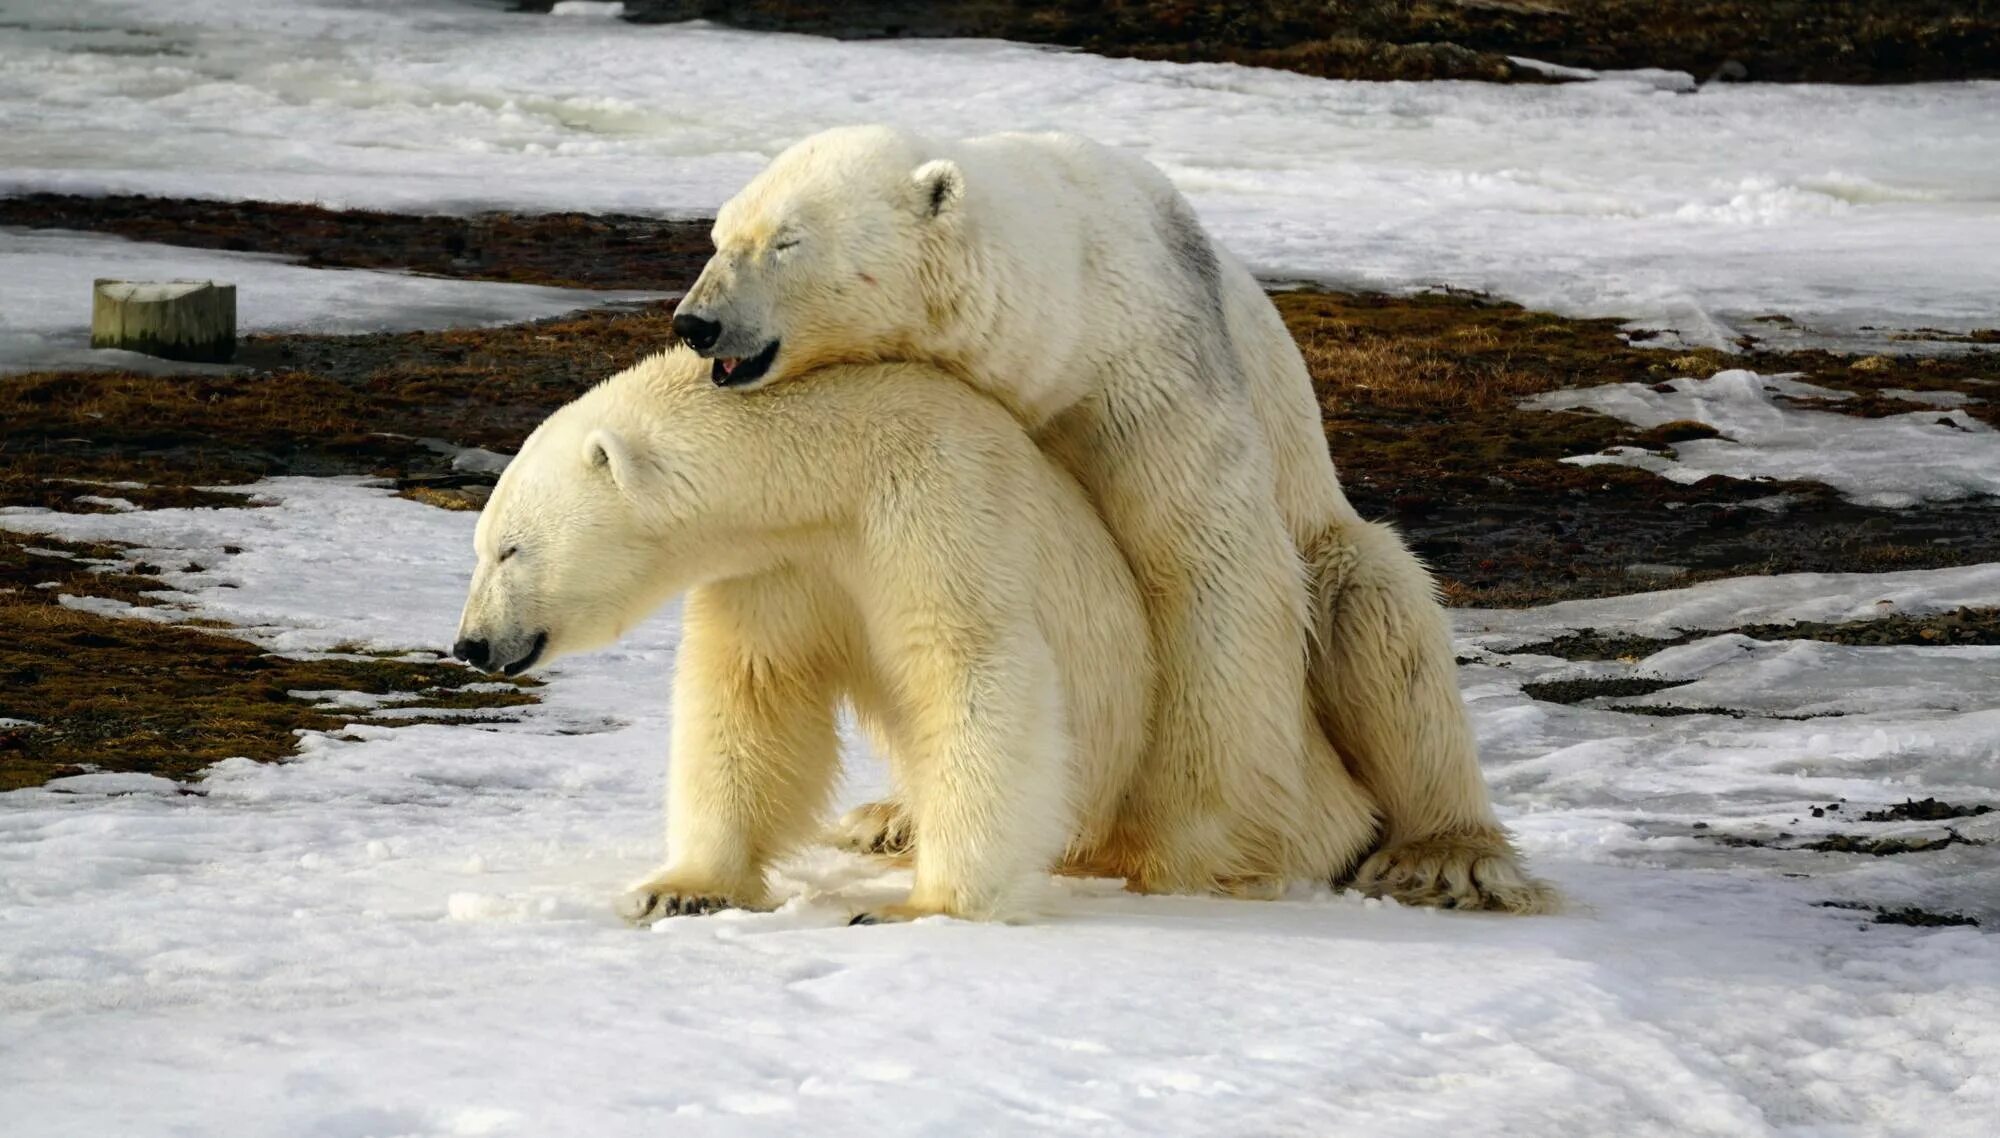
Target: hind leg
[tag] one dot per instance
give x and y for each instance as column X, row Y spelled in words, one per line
column 1184, row 486
column 1387, row 688
column 1382, row 674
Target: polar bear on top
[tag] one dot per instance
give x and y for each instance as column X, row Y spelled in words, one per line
column 1074, row 284
column 879, row 534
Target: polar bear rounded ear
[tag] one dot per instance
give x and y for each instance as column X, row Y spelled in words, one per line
column 940, row 186
column 604, row 450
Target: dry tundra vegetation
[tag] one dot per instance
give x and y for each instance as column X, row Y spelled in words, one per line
column 1420, row 396
column 1831, row 41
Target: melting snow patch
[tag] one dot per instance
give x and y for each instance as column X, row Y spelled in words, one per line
column 1782, row 599
column 589, row 9
column 1900, row 460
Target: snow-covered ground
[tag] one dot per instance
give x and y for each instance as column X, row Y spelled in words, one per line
column 46, row 276
column 1897, row 460
column 1837, row 206
column 407, row 931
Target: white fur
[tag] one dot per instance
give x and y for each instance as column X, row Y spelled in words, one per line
column 1073, row 284
column 883, row 535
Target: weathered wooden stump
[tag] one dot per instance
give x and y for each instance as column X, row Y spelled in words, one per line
column 175, row 320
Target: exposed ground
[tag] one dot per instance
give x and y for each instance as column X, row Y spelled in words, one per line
column 89, row 691
column 1421, row 402
column 1420, row 396
column 1834, row 41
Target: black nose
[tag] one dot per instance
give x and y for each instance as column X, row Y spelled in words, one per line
column 699, row 334
column 478, row 653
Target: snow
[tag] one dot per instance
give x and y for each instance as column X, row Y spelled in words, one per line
column 46, row 286
column 1841, row 207
column 589, row 9
column 1783, row 598
column 407, row 931
column 1898, row 460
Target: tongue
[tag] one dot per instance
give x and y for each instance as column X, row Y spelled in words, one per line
column 729, row 366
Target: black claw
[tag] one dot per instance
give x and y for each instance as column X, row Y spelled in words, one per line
column 671, row 905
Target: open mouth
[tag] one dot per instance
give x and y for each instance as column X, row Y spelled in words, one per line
column 734, row 371
column 528, row 661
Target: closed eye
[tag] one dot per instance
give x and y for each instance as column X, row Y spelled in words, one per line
column 787, row 243
column 509, row 552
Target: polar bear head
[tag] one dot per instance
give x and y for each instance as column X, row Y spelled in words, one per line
column 831, row 255
column 620, row 500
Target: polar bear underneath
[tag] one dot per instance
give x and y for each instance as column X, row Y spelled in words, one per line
column 883, row 535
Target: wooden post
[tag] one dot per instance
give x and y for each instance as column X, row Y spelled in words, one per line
column 175, row 320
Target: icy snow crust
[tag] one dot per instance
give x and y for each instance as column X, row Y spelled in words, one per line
column 407, row 931
column 1838, row 206
column 1894, row 461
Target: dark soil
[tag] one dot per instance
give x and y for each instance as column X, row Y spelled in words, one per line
column 1624, row 687
column 1965, row 626
column 1906, row 915
column 1928, row 810
column 1616, row 687
column 571, row 250
column 1847, row 843
column 1832, row 41
column 1885, row 847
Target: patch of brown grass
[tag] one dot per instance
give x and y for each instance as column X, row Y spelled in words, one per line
column 1384, row 374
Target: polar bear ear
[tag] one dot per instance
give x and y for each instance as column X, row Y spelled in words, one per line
column 940, row 186
column 604, row 450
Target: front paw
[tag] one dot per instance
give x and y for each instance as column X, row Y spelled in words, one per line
column 665, row 897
